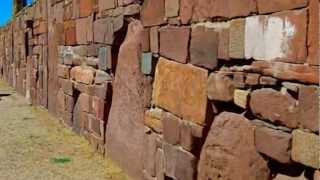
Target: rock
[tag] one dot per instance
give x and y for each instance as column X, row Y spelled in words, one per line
column 252, row 79
column 146, row 40
column 153, row 12
column 266, row 80
column 306, row 148
column 280, row 36
column 86, row 7
column 66, row 86
column 237, row 38
column 83, row 75
column 187, row 101
column 186, row 10
column 291, row 86
column 105, row 58
column 146, row 63
column 82, row 30
column 204, row 47
column 150, row 154
column 309, row 107
column 105, row 5
column 313, row 33
column 154, row 119
column 190, row 134
column 70, row 33
column 269, row 6
column 172, row 8
column 171, row 129
column 154, row 39
column 273, row 143
column 127, row 129
column 103, row 31
column 229, row 151
column 287, row 71
column 174, row 43
column 241, row 98
column 63, row 71
column 102, row 77
column 220, row 87
column 276, row 107
column 160, row 162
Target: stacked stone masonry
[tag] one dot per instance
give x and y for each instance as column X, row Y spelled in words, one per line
column 177, row 89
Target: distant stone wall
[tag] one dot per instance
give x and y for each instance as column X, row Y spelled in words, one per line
column 177, row 89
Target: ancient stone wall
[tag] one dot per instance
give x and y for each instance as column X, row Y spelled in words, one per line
column 177, row 89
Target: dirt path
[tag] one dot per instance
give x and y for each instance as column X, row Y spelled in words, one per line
column 35, row 146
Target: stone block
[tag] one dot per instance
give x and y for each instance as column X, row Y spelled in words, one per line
column 66, row 86
column 102, row 77
column 276, row 107
column 149, row 158
column 187, row 101
column 145, row 44
column 146, row 63
column 252, row 79
column 86, row 7
column 82, row 74
column 84, row 102
column 171, row 129
column 105, row 58
column 241, row 98
column 309, row 107
column 186, row 10
column 70, row 33
column 96, row 126
column 105, row 5
column 204, row 47
column 313, row 33
column 81, row 27
column 160, row 165
column 266, row 80
column 63, row 71
column 230, row 146
column 172, row 8
column 275, row 144
column 174, row 43
column 99, row 108
column 237, row 38
column 269, row 6
column 103, row 31
column 154, row 121
column 306, row 148
column 153, row 12
column 220, row 87
column 190, row 134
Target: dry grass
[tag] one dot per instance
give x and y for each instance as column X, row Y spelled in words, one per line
column 35, row 146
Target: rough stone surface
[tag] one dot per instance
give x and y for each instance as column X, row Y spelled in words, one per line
column 171, row 129
column 174, row 43
column 153, row 12
column 230, row 147
column 281, row 143
column 83, row 75
column 187, row 101
column 241, row 98
column 268, row 6
column 306, row 148
column 276, row 107
column 220, row 87
column 126, row 129
column 204, row 47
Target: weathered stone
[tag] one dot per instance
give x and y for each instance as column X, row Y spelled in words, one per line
column 84, row 102
column 81, row 26
column 187, row 101
column 266, row 80
column 66, row 86
column 102, row 77
column 189, row 135
column 174, row 43
column 241, row 98
column 154, row 39
column 281, row 143
column 63, row 71
column 83, row 75
column 309, row 107
column 280, row 36
column 70, row 33
column 276, row 107
column 104, row 5
column 86, row 7
column 105, row 58
column 145, row 40
column 220, row 87
column 268, row 6
column 153, row 119
column 237, row 39
column 131, row 10
column 230, row 147
column 171, row 129
column 313, row 33
column 96, row 126
column 204, row 47
column 252, row 79
column 186, row 10
column 146, row 63
column 103, row 31
column 150, row 154
column 223, row 49
column 160, row 165
column 291, row 86
column 185, row 165
column 286, row 71
column 306, row 148
column 153, row 12
column 127, row 129
column 172, row 8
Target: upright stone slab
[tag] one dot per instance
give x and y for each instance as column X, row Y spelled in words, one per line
column 229, row 151
column 181, row 89
column 105, row 58
column 125, row 128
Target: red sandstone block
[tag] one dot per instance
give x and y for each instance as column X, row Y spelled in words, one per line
column 153, row 12
column 268, row 6
column 70, row 32
column 86, row 7
column 98, row 106
column 174, row 43
column 154, row 39
column 146, row 40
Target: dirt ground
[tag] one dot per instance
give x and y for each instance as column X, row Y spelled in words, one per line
column 35, row 146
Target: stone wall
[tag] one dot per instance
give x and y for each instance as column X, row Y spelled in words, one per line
column 177, row 89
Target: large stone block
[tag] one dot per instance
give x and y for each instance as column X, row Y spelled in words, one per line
column 175, row 90
column 174, row 43
column 103, row 31
column 204, row 47
column 273, row 143
column 268, row 6
column 280, row 36
column 276, row 107
column 153, row 12
column 229, row 151
column 306, row 148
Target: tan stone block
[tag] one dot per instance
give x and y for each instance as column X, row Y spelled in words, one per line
column 181, row 89
column 306, row 148
column 237, row 39
column 241, row 97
